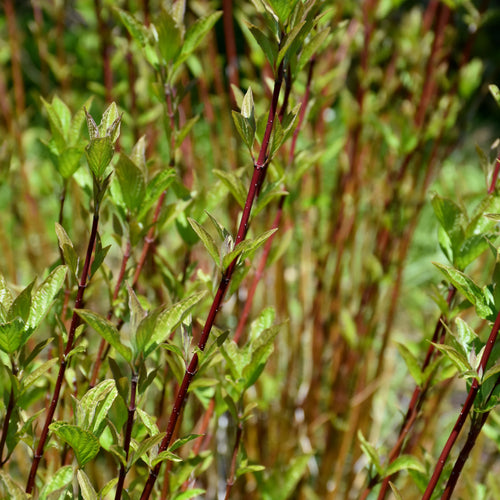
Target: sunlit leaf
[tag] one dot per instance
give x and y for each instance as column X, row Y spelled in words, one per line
column 85, row 445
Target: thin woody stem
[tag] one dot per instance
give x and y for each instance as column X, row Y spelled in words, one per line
column 75, row 322
column 257, row 180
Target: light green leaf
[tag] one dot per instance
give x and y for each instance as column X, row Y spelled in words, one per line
column 195, row 35
column 136, row 29
column 59, row 480
column 411, row 362
column 69, row 160
column 165, row 455
column 148, row 421
column 404, row 462
column 371, row 453
column 186, row 495
column 169, row 319
column 67, row 248
column 12, row 335
column 297, row 32
column 269, row 45
column 20, row 308
column 132, row 182
column 99, row 154
column 495, row 93
column 261, row 349
column 469, row 290
column 246, row 247
column 35, row 375
column 95, row 404
column 182, row 441
column 110, row 123
column 169, row 36
column 154, row 189
column 184, row 131
column 234, row 184
column 44, row 295
column 85, row 445
column 15, row 492
column 206, row 239
column 86, row 488
column 247, row 105
column 5, row 294
column 456, row 357
column 244, row 128
column 397, row 493
column 145, row 446
column 107, row 331
column 311, row 48
column 282, row 8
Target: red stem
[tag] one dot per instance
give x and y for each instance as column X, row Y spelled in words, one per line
column 230, row 481
column 257, row 179
column 128, row 435
column 75, row 322
column 463, row 413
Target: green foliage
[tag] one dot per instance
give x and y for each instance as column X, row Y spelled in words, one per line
column 238, row 283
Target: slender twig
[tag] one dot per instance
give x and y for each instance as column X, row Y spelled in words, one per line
column 477, row 424
column 75, row 322
column 257, row 179
column 8, row 414
column 105, row 51
column 471, row 396
column 232, row 474
column 128, row 435
column 118, row 286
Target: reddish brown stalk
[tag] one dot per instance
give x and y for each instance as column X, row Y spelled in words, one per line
column 417, row 398
column 6, row 422
column 265, row 254
column 494, row 178
column 75, row 322
column 15, row 53
column 232, row 474
column 104, row 41
column 464, row 412
column 128, row 435
column 118, row 286
column 257, row 178
column 476, row 426
column 430, row 83
column 230, row 44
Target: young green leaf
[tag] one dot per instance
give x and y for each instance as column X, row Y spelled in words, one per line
column 169, row 36
column 84, row 443
column 86, row 489
column 99, row 153
column 206, row 239
column 95, row 404
column 404, row 462
column 466, row 286
column 11, row 335
column 107, row 331
column 145, row 446
column 15, row 492
column 412, row 363
column 44, row 295
column 234, row 184
column 195, row 35
column 60, row 479
column 67, row 249
column 371, row 453
column 283, row 9
column 132, row 182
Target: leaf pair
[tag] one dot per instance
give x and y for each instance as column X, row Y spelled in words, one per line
column 20, row 317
